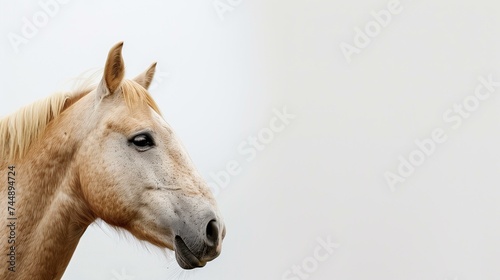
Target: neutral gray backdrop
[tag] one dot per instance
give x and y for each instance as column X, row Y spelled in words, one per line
column 226, row 67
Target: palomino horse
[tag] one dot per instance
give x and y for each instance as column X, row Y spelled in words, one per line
column 103, row 153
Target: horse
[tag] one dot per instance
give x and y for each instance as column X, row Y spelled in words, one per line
column 100, row 153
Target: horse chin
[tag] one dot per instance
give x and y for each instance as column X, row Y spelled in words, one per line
column 185, row 258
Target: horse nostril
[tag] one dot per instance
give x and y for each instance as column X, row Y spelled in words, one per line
column 212, row 233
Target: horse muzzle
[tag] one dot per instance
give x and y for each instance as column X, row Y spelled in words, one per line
column 195, row 251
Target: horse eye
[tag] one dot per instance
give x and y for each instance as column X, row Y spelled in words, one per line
column 143, row 142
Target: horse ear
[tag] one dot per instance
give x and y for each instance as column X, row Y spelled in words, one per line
column 114, row 71
column 146, row 77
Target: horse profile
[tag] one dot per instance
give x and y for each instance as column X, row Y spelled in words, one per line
column 103, row 153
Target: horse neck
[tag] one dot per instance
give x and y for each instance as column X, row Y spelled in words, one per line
column 51, row 214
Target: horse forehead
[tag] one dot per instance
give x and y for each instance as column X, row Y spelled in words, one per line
column 155, row 116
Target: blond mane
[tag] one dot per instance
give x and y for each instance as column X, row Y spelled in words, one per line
column 20, row 129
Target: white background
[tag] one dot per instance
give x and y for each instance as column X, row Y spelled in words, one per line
column 220, row 78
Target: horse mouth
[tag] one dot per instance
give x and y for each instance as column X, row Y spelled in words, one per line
column 185, row 258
